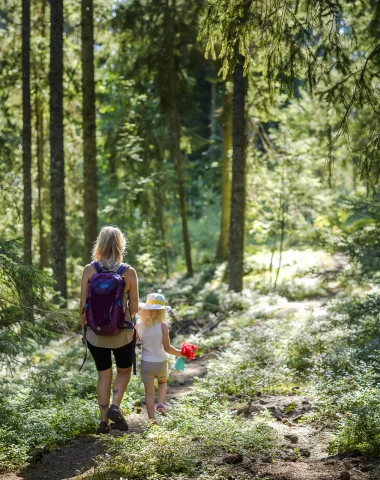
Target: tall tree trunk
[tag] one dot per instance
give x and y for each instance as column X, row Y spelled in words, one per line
column 57, row 166
column 26, row 133
column 40, row 142
column 212, row 121
column 89, row 131
column 160, row 208
column 222, row 250
column 236, row 242
column 176, row 141
column 40, row 150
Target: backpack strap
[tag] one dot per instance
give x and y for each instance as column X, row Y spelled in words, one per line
column 97, row 267
column 123, row 268
column 84, row 341
column 134, row 352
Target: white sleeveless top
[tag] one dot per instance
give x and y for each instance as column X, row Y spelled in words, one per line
column 151, row 342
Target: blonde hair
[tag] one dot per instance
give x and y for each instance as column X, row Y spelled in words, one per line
column 109, row 247
column 151, row 317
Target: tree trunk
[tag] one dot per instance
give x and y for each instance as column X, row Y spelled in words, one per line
column 40, row 146
column 222, row 250
column 57, row 167
column 212, row 121
column 160, row 208
column 40, row 149
column 176, row 143
column 178, row 164
column 89, row 131
column 236, row 242
column 26, row 133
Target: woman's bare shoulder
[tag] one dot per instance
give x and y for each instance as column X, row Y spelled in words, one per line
column 88, row 270
column 130, row 273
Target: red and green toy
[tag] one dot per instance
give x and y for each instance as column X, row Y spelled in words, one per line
column 187, row 350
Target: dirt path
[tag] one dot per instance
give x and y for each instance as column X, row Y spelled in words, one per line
column 78, row 455
column 304, row 453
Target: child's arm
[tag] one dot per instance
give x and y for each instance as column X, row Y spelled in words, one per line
column 166, row 341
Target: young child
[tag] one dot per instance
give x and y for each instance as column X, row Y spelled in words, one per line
column 153, row 332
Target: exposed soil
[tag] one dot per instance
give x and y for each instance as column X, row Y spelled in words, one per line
column 304, row 454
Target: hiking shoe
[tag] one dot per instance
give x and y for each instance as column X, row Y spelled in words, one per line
column 116, row 415
column 103, row 428
column 161, row 409
column 121, row 426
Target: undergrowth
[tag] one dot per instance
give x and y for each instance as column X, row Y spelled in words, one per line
column 191, row 442
column 262, row 346
column 48, row 404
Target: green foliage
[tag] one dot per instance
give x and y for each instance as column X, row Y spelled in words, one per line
column 27, row 314
column 253, row 363
column 293, row 39
column 49, row 403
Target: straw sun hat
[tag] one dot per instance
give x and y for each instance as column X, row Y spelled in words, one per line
column 155, row 301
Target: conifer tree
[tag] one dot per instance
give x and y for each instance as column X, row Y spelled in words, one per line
column 26, row 132
column 237, row 222
column 90, row 184
column 57, row 167
column 222, row 251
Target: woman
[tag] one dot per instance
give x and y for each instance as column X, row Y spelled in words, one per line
column 108, row 252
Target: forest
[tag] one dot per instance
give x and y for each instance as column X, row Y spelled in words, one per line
column 236, row 145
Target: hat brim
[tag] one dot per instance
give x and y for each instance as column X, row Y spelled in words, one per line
column 153, row 306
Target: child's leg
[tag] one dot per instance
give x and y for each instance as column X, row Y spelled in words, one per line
column 162, row 388
column 162, row 378
column 149, row 399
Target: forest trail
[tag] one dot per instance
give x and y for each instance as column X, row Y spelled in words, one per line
column 76, row 457
column 303, row 453
column 304, row 448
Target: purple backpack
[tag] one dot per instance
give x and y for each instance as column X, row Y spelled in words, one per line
column 104, row 306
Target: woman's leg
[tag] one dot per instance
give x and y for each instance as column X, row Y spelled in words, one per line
column 149, row 399
column 123, row 359
column 103, row 362
column 104, row 392
column 122, row 378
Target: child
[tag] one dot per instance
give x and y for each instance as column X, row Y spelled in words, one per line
column 153, row 332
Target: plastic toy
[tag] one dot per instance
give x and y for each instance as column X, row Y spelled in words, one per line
column 187, row 350
column 179, row 364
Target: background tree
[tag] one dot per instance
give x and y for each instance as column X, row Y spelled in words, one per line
column 173, row 71
column 40, row 86
column 90, row 184
column 237, row 216
column 26, row 133
column 222, row 250
column 57, row 167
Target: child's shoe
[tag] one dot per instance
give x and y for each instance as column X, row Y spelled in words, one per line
column 161, row 409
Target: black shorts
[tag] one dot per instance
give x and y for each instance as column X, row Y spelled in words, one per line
column 102, row 356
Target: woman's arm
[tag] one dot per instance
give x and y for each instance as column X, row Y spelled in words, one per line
column 87, row 274
column 166, row 341
column 133, row 292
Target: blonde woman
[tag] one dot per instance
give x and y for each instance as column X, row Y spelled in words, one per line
column 108, row 255
column 153, row 333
